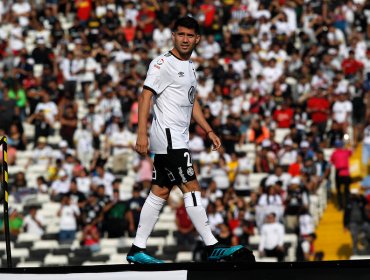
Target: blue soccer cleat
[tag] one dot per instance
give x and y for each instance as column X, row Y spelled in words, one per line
column 141, row 257
column 235, row 253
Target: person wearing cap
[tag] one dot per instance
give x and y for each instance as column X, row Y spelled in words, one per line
column 60, row 186
column 287, row 154
column 42, row 153
column 109, row 104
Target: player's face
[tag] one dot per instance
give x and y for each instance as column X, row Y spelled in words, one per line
column 185, row 40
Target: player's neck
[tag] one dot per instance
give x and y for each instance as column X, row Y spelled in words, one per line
column 179, row 56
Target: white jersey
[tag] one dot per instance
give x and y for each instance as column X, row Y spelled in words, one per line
column 173, row 83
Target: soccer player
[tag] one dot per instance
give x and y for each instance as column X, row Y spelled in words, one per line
column 171, row 82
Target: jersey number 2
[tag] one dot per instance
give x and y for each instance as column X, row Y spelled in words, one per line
column 187, row 155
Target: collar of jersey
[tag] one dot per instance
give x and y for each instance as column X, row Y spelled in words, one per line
column 177, row 56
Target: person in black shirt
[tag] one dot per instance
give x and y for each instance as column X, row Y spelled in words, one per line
column 42, row 54
column 230, row 135
column 76, row 196
column 355, row 219
column 111, row 24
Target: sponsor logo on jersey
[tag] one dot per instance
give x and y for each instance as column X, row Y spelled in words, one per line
column 191, row 94
column 190, row 171
column 182, row 175
column 181, row 74
column 207, row 223
column 170, row 175
column 156, row 66
column 160, row 61
column 167, row 54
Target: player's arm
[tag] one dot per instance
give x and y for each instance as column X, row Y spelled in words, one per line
column 144, row 109
column 201, row 120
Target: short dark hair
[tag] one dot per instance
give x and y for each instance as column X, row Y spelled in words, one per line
column 187, row 22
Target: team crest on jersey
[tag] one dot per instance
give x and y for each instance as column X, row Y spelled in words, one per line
column 190, row 171
column 160, row 61
column 191, row 95
column 181, row 74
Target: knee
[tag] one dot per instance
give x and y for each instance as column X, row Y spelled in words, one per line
column 163, row 193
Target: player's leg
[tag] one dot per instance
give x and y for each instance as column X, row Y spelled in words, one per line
column 148, row 218
column 149, row 215
column 197, row 214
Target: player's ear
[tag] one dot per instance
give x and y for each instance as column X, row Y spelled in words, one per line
column 197, row 39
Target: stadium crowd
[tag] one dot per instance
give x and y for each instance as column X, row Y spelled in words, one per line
column 74, row 69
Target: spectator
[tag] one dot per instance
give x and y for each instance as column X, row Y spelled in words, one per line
column 185, row 233
column 296, row 201
column 104, row 178
column 91, row 238
column 121, row 143
column 272, row 238
column 355, row 219
column 60, row 186
column 83, row 141
column 68, row 214
column 33, row 222
column 135, row 204
column 118, row 218
column 8, row 111
column 230, row 135
column 340, row 160
column 42, row 153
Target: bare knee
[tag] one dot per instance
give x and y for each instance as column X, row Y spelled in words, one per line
column 162, row 192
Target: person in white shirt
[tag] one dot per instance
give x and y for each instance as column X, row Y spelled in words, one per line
column 272, row 238
column 210, row 47
column 34, row 223
column 60, row 186
column 83, row 139
column 121, row 142
column 68, row 214
column 241, row 183
column 342, row 110
column 288, row 154
column 42, row 154
column 21, row 10
column 104, row 178
column 196, row 145
column 171, row 82
column 366, row 144
column 271, row 72
column 162, row 37
column 48, row 107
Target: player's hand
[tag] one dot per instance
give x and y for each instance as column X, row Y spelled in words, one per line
column 216, row 142
column 142, row 144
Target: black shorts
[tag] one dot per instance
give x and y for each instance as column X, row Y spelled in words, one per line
column 174, row 168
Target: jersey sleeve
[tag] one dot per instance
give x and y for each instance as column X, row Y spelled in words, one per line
column 157, row 78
